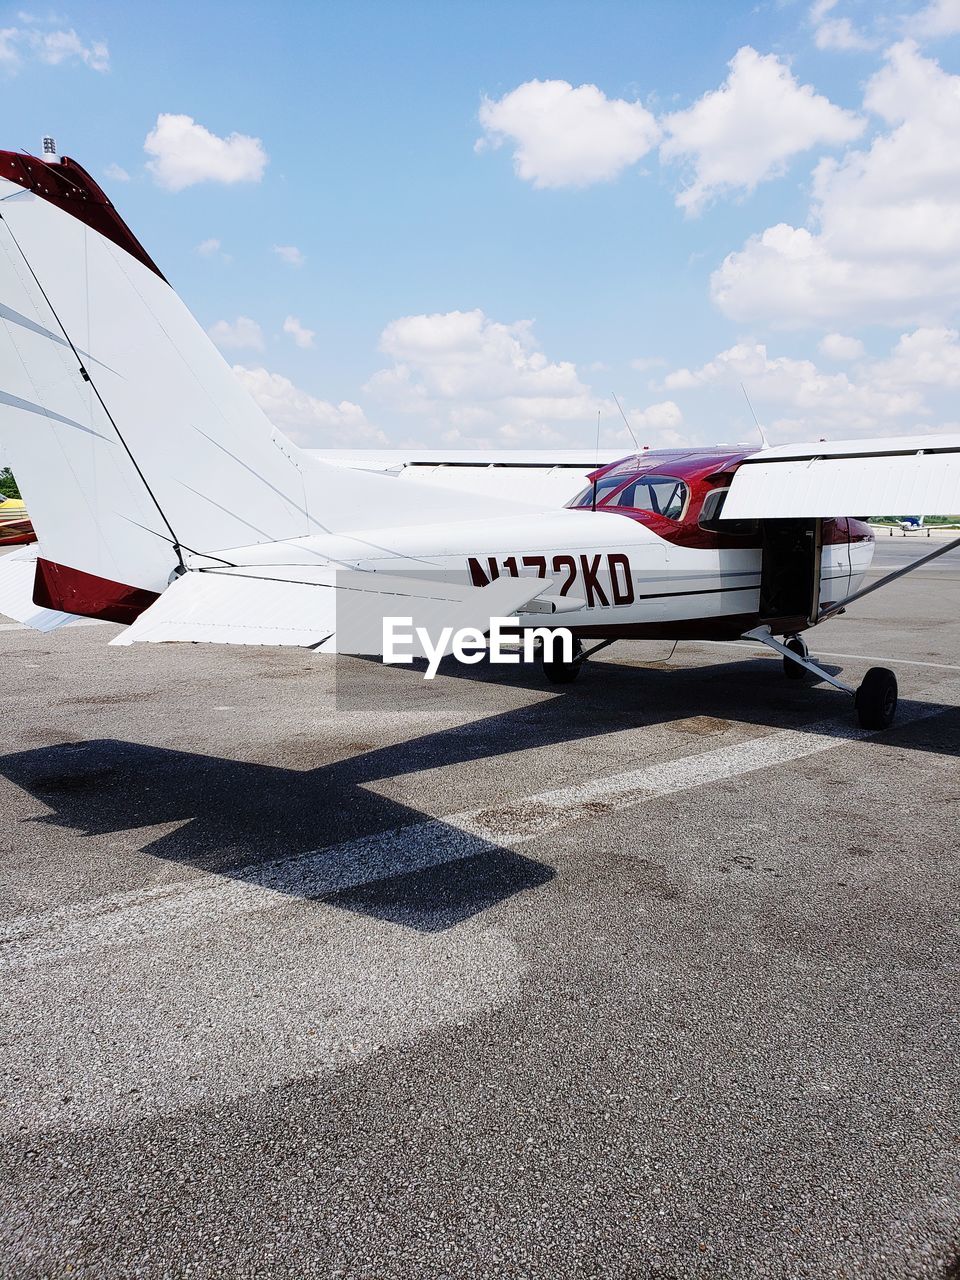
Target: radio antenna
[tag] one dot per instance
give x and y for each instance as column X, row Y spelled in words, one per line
column 763, row 434
column 636, row 442
column 597, row 467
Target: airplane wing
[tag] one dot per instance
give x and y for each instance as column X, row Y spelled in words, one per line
column 547, row 477
column 331, row 611
column 847, row 477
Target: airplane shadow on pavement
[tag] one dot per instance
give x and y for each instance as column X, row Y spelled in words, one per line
column 256, row 822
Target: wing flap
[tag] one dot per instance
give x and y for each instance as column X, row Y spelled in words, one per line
column 882, row 480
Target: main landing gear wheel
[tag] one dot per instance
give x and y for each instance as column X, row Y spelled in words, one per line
column 793, row 670
column 876, row 699
column 564, row 672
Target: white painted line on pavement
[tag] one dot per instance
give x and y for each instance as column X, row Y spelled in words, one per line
column 130, row 917
column 858, row 657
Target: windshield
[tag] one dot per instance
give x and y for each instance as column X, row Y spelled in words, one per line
column 662, row 495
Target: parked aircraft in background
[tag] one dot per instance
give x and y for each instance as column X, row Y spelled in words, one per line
column 209, row 525
column 15, row 526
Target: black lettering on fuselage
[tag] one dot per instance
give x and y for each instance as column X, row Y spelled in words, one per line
column 478, row 577
column 621, row 583
column 567, row 568
column 591, row 582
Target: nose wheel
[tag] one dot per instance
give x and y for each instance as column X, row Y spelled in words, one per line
column 793, row 670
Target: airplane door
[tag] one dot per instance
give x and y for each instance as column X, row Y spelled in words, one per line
column 790, row 572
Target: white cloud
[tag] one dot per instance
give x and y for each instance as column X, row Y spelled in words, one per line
column 54, row 47
column 49, row 45
column 750, row 128
column 928, row 358
column 836, row 33
column 474, row 381
column 237, row 335
column 836, row 346
column 290, row 254
column 9, row 54
column 307, row 419
column 940, row 18
column 885, row 238
column 207, row 248
column 301, row 336
column 116, row 173
column 185, row 153
column 797, row 399
column 567, row 137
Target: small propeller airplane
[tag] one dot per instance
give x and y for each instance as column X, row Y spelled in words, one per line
column 165, row 500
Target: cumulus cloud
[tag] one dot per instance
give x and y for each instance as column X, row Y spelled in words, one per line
column 185, row 153
column 836, row 346
column 749, row 129
column 927, row 358
column 237, row 335
column 839, row 33
column 207, row 248
column 116, row 173
column 567, row 137
column 290, row 254
column 301, row 336
column 478, row 381
column 50, row 45
column 940, row 18
column 883, row 242
column 305, row 418
column 800, row 400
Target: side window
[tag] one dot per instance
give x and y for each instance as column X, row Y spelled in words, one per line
column 710, row 517
column 663, row 495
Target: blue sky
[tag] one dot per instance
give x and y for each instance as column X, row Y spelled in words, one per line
column 667, row 199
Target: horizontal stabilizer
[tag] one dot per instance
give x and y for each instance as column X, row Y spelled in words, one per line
column 17, row 573
column 844, row 478
column 328, row 610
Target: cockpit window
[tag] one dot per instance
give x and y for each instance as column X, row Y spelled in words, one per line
column 663, row 495
column 710, row 517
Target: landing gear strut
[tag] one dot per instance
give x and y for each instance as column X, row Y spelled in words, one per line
column 875, row 699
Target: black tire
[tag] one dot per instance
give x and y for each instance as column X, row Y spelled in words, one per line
column 877, row 699
column 564, row 672
column 792, row 670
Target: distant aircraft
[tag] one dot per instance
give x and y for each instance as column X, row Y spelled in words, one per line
column 164, row 499
column 15, row 526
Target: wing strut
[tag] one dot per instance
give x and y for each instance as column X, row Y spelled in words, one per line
column 840, row 605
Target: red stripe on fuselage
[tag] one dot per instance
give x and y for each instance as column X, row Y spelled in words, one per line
column 57, row 586
column 67, row 185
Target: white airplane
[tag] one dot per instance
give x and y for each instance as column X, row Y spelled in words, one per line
column 164, row 499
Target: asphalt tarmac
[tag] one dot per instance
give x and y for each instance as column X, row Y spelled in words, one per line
column 652, row 976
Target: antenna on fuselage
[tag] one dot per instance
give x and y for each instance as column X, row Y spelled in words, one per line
column 597, row 467
column 636, row 442
column 763, row 434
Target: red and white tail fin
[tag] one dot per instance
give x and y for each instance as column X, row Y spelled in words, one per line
column 127, row 430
